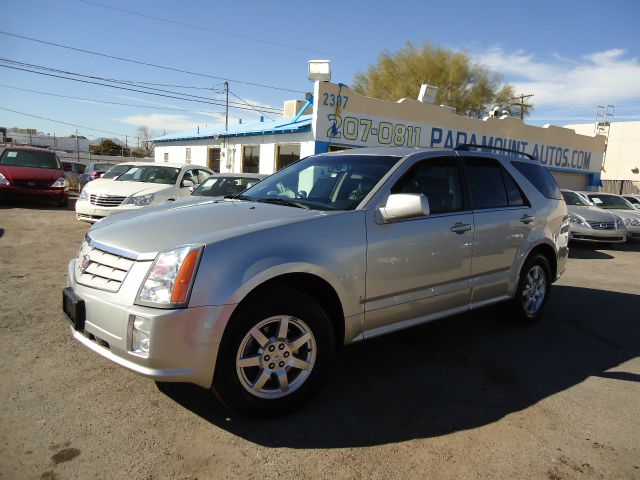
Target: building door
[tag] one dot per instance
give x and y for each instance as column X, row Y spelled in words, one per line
column 213, row 162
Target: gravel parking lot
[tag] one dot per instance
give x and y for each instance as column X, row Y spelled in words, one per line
column 469, row 397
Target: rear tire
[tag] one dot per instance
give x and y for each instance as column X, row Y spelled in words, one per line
column 275, row 354
column 533, row 290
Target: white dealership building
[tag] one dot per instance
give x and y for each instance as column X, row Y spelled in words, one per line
column 337, row 117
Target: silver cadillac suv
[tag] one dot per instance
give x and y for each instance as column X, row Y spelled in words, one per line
column 250, row 295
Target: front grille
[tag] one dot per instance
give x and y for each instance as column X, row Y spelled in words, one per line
column 106, row 200
column 99, row 269
column 602, row 225
column 32, row 183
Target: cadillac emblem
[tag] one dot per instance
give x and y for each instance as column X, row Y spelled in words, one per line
column 84, row 263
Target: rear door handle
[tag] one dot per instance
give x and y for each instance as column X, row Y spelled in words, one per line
column 526, row 219
column 460, row 228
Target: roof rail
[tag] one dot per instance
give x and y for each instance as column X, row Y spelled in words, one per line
column 466, row 147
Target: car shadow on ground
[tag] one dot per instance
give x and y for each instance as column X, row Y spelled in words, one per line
column 29, row 204
column 598, row 251
column 447, row 376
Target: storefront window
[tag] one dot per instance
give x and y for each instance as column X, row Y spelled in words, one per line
column 251, row 159
column 286, row 155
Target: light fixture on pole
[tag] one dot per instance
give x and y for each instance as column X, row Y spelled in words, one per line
column 320, row 70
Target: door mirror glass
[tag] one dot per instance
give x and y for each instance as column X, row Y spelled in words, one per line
column 188, row 183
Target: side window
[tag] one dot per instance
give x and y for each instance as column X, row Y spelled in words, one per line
column 514, row 194
column 487, row 185
column 190, row 175
column 202, row 176
column 438, row 179
column 540, row 178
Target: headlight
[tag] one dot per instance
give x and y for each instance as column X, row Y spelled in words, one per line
column 578, row 220
column 142, row 200
column 84, row 196
column 626, row 221
column 619, row 222
column 635, row 223
column 59, row 183
column 3, row 180
column 168, row 283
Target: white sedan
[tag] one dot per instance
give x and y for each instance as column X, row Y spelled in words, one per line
column 142, row 185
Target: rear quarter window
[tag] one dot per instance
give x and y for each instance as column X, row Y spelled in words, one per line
column 540, row 178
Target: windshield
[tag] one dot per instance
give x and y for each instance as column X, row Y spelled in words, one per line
column 116, row 171
column 30, row 158
column 572, row 198
column 102, row 167
column 220, row 186
column 150, row 174
column 324, row 182
column 611, row 201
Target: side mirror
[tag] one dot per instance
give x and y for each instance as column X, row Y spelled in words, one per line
column 401, row 206
column 188, row 183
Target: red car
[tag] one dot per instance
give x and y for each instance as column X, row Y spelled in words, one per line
column 28, row 172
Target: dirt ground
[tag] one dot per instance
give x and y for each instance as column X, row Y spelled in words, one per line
column 465, row 398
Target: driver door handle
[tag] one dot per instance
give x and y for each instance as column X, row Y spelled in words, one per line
column 460, row 228
column 526, row 219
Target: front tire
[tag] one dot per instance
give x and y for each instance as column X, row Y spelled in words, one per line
column 275, row 354
column 533, row 290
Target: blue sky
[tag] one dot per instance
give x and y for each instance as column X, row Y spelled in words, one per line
column 572, row 55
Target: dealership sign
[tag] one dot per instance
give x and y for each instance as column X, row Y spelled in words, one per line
column 343, row 117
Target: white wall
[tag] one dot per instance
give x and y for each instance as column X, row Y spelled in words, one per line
column 231, row 155
column 623, row 150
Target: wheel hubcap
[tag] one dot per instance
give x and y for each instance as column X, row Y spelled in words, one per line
column 276, row 357
column 534, row 291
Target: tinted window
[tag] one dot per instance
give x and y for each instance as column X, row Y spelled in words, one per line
column 540, row 178
column 116, row 171
column 150, row 174
column 610, row 201
column 514, row 194
column 487, row 185
column 438, row 179
column 30, row 158
column 220, row 186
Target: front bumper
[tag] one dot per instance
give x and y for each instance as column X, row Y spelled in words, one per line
column 579, row 233
column 183, row 343
column 18, row 192
column 91, row 213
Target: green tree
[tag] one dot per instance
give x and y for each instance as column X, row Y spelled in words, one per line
column 109, row 147
column 471, row 88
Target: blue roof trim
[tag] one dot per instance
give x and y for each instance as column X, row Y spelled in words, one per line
column 287, row 125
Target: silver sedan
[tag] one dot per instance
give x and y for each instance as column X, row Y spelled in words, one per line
column 592, row 224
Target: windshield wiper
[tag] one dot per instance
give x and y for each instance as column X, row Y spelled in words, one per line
column 282, row 201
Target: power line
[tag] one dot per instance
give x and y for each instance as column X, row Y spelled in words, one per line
column 256, row 109
column 213, row 30
column 66, row 123
column 148, row 64
column 203, row 100
column 126, row 82
column 93, row 100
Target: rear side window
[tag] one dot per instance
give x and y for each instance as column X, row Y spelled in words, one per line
column 491, row 185
column 540, row 178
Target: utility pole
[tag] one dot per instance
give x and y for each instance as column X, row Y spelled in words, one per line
column 521, row 99
column 226, row 115
column 77, row 146
column 126, row 141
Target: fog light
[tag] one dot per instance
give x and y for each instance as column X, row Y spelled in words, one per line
column 140, row 336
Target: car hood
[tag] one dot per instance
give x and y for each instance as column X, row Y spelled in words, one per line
column 124, row 189
column 592, row 214
column 17, row 173
column 630, row 214
column 148, row 231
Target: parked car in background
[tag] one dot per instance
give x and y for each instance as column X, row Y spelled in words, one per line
column 633, row 200
column 592, row 224
column 143, row 184
column 30, row 172
column 72, row 172
column 227, row 184
column 619, row 206
column 249, row 295
column 93, row 171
